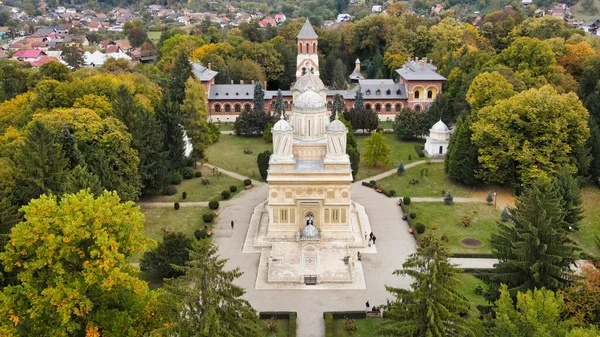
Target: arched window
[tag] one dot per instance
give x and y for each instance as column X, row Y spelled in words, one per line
column 238, row 108
column 368, row 106
column 329, row 104
column 429, row 94
column 388, row 108
column 398, row 107
column 247, row 107
column 417, row 94
column 227, row 108
column 417, row 108
column 286, row 104
column 307, row 50
column 303, row 71
column 218, row 108
column 377, row 107
column 314, row 50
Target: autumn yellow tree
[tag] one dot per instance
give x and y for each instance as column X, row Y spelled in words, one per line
column 74, row 279
column 487, row 88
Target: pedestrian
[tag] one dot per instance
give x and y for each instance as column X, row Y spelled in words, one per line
column 371, row 236
column 388, row 301
column 231, row 224
column 365, row 235
column 367, row 305
column 374, row 238
column 359, row 256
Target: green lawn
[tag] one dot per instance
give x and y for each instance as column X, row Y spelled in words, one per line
column 228, row 153
column 428, row 186
column 400, row 152
column 467, row 285
column 364, row 328
column 226, row 126
column 198, row 192
column 448, row 221
column 154, row 36
column 386, row 125
column 590, row 226
column 282, row 329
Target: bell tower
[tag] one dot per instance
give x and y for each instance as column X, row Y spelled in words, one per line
column 307, row 60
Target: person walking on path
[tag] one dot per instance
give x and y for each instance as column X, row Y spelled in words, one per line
column 359, row 256
column 374, row 238
column 365, row 235
column 231, row 224
column 371, row 236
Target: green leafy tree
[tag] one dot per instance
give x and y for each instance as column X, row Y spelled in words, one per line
column 536, row 313
column 461, row 158
column 259, row 97
column 534, row 250
column 72, row 55
column 588, row 81
column 410, row 124
column 55, row 71
column 13, row 79
column 527, row 54
column 251, row 123
column 137, row 36
column 432, row 306
column 262, row 160
column 41, row 164
column 70, row 258
column 488, row 88
column 204, row 301
column 513, row 136
column 268, row 134
column 376, row 149
column 195, row 117
column 172, row 251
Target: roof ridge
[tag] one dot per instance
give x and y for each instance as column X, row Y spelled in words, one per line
column 307, row 31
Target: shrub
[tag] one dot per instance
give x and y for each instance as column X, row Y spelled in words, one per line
column 169, row 190
column 419, row 151
column 400, row 168
column 478, row 290
column 409, row 157
column 465, row 221
column 373, row 182
column 233, row 189
column 406, row 201
column 444, row 237
column 174, row 178
column 197, row 174
column 213, row 204
column 489, row 198
column 208, row 217
column 329, row 325
column 413, row 215
column 448, row 199
column 504, row 215
column 392, row 193
column 420, row 227
column 200, row 234
column 187, row 172
column 262, row 160
column 183, row 195
column 172, row 250
column 176, row 205
column 225, row 195
column 247, row 182
column 443, row 191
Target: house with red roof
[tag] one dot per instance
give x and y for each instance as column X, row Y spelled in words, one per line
column 94, row 26
column 267, row 21
column 43, row 60
column 280, row 18
column 28, row 55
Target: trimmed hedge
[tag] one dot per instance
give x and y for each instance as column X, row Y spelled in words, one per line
column 346, row 314
column 406, row 201
column 292, row 325
column 364, row 183
column 213, row 204
column 208, row 217
column 247, row 182
column 183, row 195
column 187, row 172
column 233, row 189
column 200, row 234
column 413, row 215
column 276, row 314
column 420, row 228
column 419, row 150
column 197, row 174
column 176, row 206
column 473, row 255
column 225, row 195
column 328, row 324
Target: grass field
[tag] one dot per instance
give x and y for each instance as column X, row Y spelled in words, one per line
column 282, row 329
column 154, row 36
column 364, row 328
column 228, row 153
column 386, row 125
column 467, row 285
column 448, row 221
column 198, row 192
column 581, row 13
column 400, row 152
column 226, row 126
column 590, row 225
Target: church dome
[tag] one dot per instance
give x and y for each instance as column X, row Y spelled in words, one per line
column 439, row 127
column 309, row 101
column 281, row 126
column 336, row 126
column 308, row 82
column 310, row 232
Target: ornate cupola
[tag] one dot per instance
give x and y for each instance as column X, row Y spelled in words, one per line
column 336, row 141
column 283, row 135
column 307, row 60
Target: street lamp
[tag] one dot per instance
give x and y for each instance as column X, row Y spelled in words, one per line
column 495, row 199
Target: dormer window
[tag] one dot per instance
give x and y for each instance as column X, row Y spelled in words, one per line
column 378, row 92
column 217, row 94
column 247, row 94
column 387, row 92
column 226, row 94
column 368, row 92
column 398, row 92
column 237, row 93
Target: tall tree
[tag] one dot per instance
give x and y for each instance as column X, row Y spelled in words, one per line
column 179, row 75
column 80, row 178
column 259, row 97
column 593, row 145
column 337, row 106
column 69, row 147
column 71, row 263
column 376, row 149
column 195, row 117
column 534, row 250
column 170, row 120
column 567, row 189
column 41, row 164
column 173, row 250
column 461, row 158
column 582, row 300
column 204, row 301
column 432, row 306
column 279, row 106
column 488, row 88
column 262, row 160
column 359, row 101
column 72, row 55
column 410, row 124
column 339, row 75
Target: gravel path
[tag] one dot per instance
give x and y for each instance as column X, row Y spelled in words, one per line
column 407, row 166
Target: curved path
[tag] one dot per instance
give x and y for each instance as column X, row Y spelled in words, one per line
column 407, row 166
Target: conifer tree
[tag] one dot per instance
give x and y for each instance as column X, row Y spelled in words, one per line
column 41, row 163
column 432, row 306
column 448, row 198
column 204, row 301
column 461, row 158
column 179, row 75
column 169, row 116
column 567, row 189
column 148, row 140
column 337, row 106
column 593, row 145
column 504, row 214
column 401, row 168
column 359, row 102
column 489, row 198
column 534, row 249
column 259, row 97
column 339, row 75
column 279, row 105
column 69, row 147
column 80, row 179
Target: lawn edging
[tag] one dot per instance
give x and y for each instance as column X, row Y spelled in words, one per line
column 473, row 255
column 289, row 315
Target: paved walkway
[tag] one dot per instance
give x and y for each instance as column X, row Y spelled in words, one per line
column 170, row 204
column 233, row 174
column 459, row 200
column 474, row 263
column 407, row 166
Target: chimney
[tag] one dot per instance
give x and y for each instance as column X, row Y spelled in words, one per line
column 241, row 81
column 231, row 81
column 422, row 64
column 348, row 87
column 382, row 83
column 209, row 66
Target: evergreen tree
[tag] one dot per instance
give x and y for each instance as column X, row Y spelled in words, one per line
column 182, row 70
column 534, row 250
column 251, row 123
column 262, row 160
column 41, row 164
column 69, row 147
column 410, row 124
column 279, row 105
column 401, row 168
column 448, row 198
column 173, row 250
column 259, row 97
column 9, row 214
column 593, row 146
column 339, row 75
column 148, row 140
column 461, row 158
column 80, row 179
column 337, row 107
column 489, row 198
column 204, row 301
column 567, row 189
column 124, row 106
column 354, row 155
column 440, row 109
column 433, row 306
column 359, row 101
column 169, row 117
column 504, row 214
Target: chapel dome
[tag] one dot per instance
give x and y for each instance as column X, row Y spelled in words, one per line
column 309, row 101
column 310, row 232
column 336, row 126
column 281, row 126
column 439, row 127
column 308, row 82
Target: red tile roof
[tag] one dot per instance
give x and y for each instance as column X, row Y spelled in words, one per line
column 43, row 60
column 28, row 53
